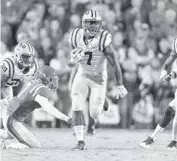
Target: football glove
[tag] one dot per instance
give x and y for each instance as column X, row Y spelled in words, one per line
column 121, row 92
column 163, row 75
column 76, row 55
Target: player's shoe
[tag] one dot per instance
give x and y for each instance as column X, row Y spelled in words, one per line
column 90, row 132
column 80, row 146
column 148, row 142
column 172, row 145
column 4, row 144
column 106, row 105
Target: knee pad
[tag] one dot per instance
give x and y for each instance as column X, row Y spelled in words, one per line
column 167, row 117
column 76, row 102
column 96, row 107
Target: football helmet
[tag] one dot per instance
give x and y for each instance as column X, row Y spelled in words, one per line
column 48, row 76
column 25, row 54
column 91, row 22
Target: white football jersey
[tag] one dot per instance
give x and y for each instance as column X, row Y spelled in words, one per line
column 94, row 64
column 174, row 45
column 10, row 68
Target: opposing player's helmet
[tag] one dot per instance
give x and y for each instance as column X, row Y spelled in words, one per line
column 25, row 54
column 48, row 76
column 91, row 22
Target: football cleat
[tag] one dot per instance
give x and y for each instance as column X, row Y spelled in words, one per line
column 80, row 146
column 106, row 105
column 91, row 132
column 172, row 145
column 147, row 143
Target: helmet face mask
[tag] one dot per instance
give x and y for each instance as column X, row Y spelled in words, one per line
column 91, row 23
column 25, row 60
column 25, row 55
column 91, row 27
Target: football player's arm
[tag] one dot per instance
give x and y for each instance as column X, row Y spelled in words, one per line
column 111, row 57
column 172, row 57
column 46, row 105
column 164, row 74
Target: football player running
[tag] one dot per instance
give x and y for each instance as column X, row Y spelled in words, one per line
column 91, row 48
column 171, row 110
column 35, row 93
column 13, row 69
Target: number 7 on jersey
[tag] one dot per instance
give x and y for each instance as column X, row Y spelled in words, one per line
column 90, row 57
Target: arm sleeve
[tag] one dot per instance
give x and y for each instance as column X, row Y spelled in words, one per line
column 46, row 105
column 174, row 46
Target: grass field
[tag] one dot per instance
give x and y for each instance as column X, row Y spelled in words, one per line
column 106, row 145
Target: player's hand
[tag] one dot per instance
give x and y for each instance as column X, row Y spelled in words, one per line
column 122, row 92
column 163, row 75
column 70, row 122
column 77, row 54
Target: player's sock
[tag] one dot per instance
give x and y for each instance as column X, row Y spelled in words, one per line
column 157, row 130
column 169, row 113
column 91, row 124
column 164, row 122
column 78, row 123
column 174, row 130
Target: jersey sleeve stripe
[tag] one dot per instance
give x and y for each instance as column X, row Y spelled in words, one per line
column 175, row 46
column 33, row 88
column 100, row 40
column 37, row 89
column 71, row 38
column 75, row 42
column 91, row 13
column 35, row 66
column 105, row 40
column 10, row 73
column 13, row 67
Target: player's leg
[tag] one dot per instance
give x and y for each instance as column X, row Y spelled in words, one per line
column 6, row 95
column 22, row 134
column 79, row 94
column 97, row 99
column 169, row 114
column 173, row 143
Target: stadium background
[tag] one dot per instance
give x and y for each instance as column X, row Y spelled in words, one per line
column 142, row 31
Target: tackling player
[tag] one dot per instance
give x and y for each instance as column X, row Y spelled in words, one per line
column 171, row 110
column 91, row 48
column 35, row 93
column 13, row 69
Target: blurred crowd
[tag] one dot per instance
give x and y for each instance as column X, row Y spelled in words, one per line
column 142, row 31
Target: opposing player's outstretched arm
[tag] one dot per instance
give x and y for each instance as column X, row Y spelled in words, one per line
column 111, row 57
column 46, row 105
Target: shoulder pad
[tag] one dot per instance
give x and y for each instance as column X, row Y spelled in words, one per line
column 8, row 67
column 73, row 37
column 105, row 40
